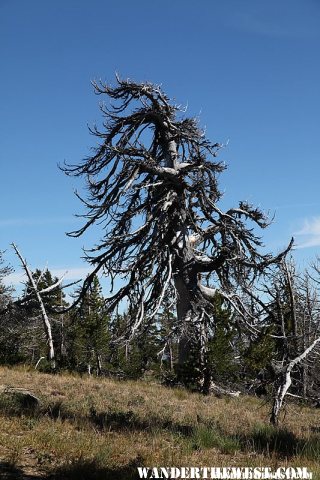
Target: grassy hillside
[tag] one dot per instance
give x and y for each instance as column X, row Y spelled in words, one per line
column 89, row 428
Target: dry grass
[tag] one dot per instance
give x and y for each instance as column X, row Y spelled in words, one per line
column 89, row 428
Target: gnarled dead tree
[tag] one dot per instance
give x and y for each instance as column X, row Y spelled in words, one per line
column 153, row 187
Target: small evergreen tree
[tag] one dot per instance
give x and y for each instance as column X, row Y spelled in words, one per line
column 223, row 346
column 89, row 335
column 10, row 331
column 169, row 344
column 132, row 358
column 219, row 359
column 52, row 300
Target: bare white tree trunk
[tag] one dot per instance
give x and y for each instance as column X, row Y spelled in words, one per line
column 171, row 356
column 38, row 362
column 63, row 350
column 99, row 364
column 285, row 382
column 45, row 318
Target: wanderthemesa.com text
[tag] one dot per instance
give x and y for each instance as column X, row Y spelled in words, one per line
column 244, row 473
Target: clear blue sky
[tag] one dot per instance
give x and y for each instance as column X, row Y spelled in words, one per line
column 250, row 68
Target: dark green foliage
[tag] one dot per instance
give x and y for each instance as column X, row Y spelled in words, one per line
column 220, row 353
column 5, row 291
column 11, row 346
column 211, row 437
column 258, row 355
column 59, row 323
column 133, row 358
column 223, row 344
column 89, row 336
column 169, row 345
column 11, row 323
column 12, row 337
column 51, row 299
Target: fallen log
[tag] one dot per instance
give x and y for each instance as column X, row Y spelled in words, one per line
column 220, row 391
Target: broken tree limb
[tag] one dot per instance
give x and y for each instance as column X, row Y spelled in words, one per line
column 220, row 391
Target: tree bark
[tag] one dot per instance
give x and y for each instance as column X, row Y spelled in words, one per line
column 193, row 343
column 285, row 382
column 185, row 281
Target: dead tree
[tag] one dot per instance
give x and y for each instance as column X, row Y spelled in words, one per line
column 37, row 293
column 284, row 381
column 153, row 187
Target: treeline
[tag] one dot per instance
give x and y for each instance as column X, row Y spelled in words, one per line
column 254, row 356
column 86, row 339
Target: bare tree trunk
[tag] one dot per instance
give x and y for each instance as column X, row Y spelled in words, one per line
column 285, row 381
column 63, row 350
column 184, row 304
column 99, row 364
column 204, row 359
column 171, row 356
column 304, row 381
column 194, row 334
column 46, row 322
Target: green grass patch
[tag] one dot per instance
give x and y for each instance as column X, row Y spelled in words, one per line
column 205, row 437
column 270, row 440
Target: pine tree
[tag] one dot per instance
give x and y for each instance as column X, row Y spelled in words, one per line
column 10, row 325
column 133, row 358
column 5, row 291
column 59, row 322
column 169, row 343
column 223, row 344
column 90, row 331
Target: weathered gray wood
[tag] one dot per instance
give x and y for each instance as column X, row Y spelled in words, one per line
column 285, row 382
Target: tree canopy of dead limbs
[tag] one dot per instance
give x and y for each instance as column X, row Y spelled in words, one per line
column 153, row 187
